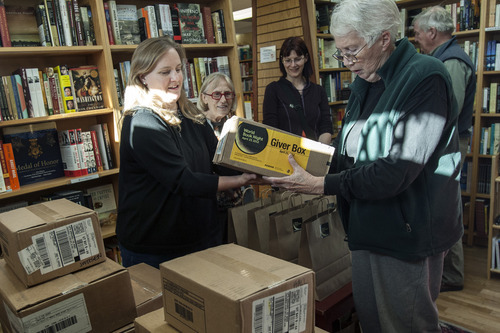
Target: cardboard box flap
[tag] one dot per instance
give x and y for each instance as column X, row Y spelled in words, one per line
column 241, row 279
column 146, row 282
column 40, row 214
column 19, row 297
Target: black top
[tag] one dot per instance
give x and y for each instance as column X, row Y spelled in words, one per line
column 167, row 186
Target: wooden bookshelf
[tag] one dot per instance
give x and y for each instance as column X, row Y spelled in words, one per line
column 106, row 57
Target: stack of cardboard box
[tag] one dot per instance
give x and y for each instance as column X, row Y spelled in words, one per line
column 54, row 274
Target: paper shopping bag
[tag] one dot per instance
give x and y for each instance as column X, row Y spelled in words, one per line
column 285, row 227
column 324, row 250
column 238, row 219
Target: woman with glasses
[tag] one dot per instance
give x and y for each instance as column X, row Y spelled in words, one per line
column 167, row 204
column 395, row 171
column 293, row 103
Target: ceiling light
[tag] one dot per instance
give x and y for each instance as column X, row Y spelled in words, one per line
column 242, row 14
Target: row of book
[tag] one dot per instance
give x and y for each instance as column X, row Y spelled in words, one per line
column 246, row 69
column 39, row 152
column 34, row 92
column 187, row 23
column 245, row 52
column 490, row 139
column 491, row 96
column 326, row 50
column 492, row 61
column 336, row 85
column 48, row 23
column 495, row 252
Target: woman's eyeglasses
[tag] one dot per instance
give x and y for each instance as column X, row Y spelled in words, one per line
column 298, row 60
column 218, row 95
column 348, row 57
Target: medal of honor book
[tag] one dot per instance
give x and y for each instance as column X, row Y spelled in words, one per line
column 36, row 151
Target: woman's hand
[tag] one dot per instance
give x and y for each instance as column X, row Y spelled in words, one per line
column 299, row 181
column 231, row 182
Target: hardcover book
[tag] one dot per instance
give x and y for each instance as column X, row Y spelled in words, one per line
column 87, row 88
column 128, row 24
column 22, row 25
column 36, row 151
column 69, row 153
column 11, row 166
column 103, row 198
column 66, row 89
column 191, row 23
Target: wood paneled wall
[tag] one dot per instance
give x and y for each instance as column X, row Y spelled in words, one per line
column 276, row 20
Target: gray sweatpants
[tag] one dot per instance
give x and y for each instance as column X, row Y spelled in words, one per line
column 392, row 295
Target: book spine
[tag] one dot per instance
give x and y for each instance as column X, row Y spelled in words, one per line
column 52, row 92
column 37, row 85
column 107, row 143
column 80, row 35
column 4, row 29
column 3, row 103
column 5, row 170
column 49, row 12
column 17, row 100
column 109, row 26
column 11, row 166
column 11, row 104
column 167, row 20
column 85, row 25
column 65, row 21
column 81, row 151
column 26, row 91
column 59, row 94
column 102, row 145
column 3, row 187
column 152, row 21
column 217, row 27
column 72, row 22
column 222, row 25
column 66, row 89
column 39, row 24
column 20, row 91
column 46, row 25
column 89, row 152
column 56, row 8
column 97, row 151
column 159, row 19
column 176, row 24
column 113, row 15
column 207, row 24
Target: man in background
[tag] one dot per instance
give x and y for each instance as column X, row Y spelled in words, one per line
column 433, row 32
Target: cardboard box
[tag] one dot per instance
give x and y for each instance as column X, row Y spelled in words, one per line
column 96, row 299
column 146, row 285
column 229, row 288
column 153, row 322
column 253, row 147
column 50, row 239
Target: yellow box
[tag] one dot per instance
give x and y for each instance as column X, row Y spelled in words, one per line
column 253, row 147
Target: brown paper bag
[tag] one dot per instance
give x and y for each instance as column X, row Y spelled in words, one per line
column 238, row 219
column 285, row 227
column 324, row 250
column 258, row 223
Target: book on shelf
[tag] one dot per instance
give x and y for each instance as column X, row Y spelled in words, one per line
column 36, row 151
column 59, row 24
column 84, row 11
column 81, row 151
column 87, row 88
column 118, row 85
column 21, row 22
column 89, row 152
column 97, row 150
column 3, row 186
column 5, row 170
column 101, row 141
column 222, row 23
column 52, row 89
column 113, row 15
column 153, row 26
column 9, row 97
column 208, row 26
column 36, row 92
column 10, row 160
column 176, row 24
column 109, row 25
column 144, row 26
column 49, row 12
column 165, row 18
column 69, row 153
column 63, row 11
column 107, row 143
column 78, row 23
column 323, row 13
column 128, row 25
column 103, row 198
column 18, row 88
column 217, row 27
column 3, row 103
column 191, row 23
column 75, row 196
column 42, row 25
column 4, row 29
column 65, row 88
column 47, row 99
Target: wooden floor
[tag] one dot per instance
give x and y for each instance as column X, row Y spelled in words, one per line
column 477, row 306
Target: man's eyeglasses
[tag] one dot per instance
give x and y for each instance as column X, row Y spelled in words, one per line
column 218, row 95
column 347, row 57
column 297, row 60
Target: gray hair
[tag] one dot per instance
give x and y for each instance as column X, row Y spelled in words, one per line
column 368, row 18
column 211, row 81
column 435, row 17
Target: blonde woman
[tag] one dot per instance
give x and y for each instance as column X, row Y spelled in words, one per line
column 167, row 184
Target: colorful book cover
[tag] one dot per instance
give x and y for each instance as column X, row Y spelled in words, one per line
column 191, row 23
column 66, row 89
column 36, row 151
column 128, row 24
column 87, row 88
column 11, row 166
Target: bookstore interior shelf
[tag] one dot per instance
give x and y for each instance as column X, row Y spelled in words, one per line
column 55, row 183
column 57, row 117
column 31, row 51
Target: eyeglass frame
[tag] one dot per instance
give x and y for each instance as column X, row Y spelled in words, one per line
column 232, row 95
column 350, row 57
column 293, row 61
